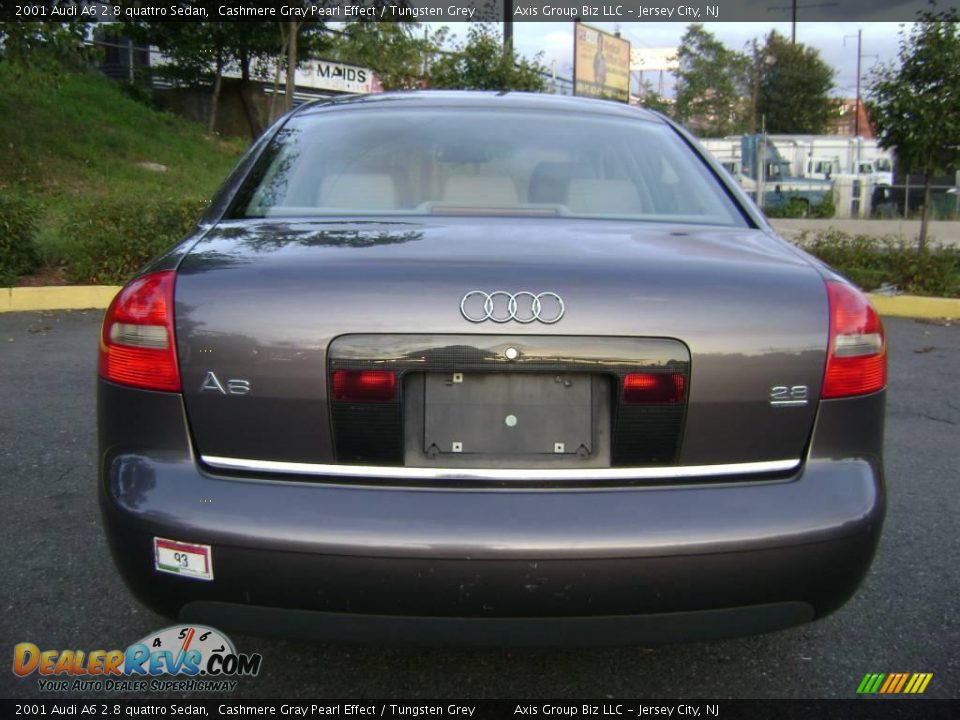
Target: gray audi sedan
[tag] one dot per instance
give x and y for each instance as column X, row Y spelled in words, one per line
column 489, row 369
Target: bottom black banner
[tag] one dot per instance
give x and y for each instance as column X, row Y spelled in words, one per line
column 474, row 709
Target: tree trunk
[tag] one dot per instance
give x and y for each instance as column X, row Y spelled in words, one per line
column 215, row 100
column 292, row 31
column 254, row 121
column 276, row 76
column 924, row 213
column 244, row 64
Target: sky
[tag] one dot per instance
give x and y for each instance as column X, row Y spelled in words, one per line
column 880, row 42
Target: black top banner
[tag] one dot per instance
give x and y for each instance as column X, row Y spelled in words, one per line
column 684, row 11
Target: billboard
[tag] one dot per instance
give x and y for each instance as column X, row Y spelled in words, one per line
column 643, row 59
column 336, row 77
column 601, row 65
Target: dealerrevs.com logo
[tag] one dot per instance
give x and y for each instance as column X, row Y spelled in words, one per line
column 199, row 658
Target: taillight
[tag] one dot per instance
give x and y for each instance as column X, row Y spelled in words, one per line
column 857, row 351
column 364, row 385
column 136, row 342
column 653, row 388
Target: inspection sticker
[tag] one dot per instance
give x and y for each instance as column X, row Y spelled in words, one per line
column 180, row 558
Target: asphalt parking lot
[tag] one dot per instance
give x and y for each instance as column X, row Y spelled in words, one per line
column 59, row 589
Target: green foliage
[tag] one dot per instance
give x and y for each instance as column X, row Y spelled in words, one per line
column 798, row 206
column 872, row 263
column 80, row 142
column 109, row 242
column 140, row 94
column 193, row 48
column 48, row 46
column 199, row 51
column 84, row 137
column 795, row 207
column 826, row 209
column 652, row 100
column 795, row 85
column 397, row 51
column 197, row 48
column 482, row 64
column 18, row 225
column 917, row 105
column 711, row 80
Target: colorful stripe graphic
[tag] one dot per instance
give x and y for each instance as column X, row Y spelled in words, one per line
column 894, row 683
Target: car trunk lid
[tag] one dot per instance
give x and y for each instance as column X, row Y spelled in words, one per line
column 260, row 306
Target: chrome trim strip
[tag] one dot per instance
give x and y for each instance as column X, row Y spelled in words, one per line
column 416, row 473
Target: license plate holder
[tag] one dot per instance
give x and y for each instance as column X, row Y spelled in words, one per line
column 508, row 414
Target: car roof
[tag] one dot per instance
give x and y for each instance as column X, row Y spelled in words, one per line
column 480, row 99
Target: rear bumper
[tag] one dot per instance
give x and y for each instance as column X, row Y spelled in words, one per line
column 493, row 566
column 385, row 630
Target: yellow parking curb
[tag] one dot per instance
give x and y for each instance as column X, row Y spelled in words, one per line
column 916, row 306
column 83, row 297
column 65, row 297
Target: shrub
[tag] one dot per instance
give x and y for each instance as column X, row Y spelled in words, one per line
column 18, row 252
column 874, row 262
column 799, row 207
column 108, row 242
column 137, row 92
column 795, row 207
column 826, row 209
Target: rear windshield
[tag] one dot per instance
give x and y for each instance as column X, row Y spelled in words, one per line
column 452, row 161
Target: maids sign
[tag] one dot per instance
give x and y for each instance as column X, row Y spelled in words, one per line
column 337, row 77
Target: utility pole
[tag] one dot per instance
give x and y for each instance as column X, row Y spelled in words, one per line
column 856, row 119
column 755, row 93
column 793, row 7
column 507, row 25
column 793, row 23
column 762, row 161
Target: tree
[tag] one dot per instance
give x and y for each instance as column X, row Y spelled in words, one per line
column 397, row 51
column 794, row 85
column 51, row 46
column 195, row 50
column 199, row 52
column 292, row 36
column 482, row 63
column 652, row 100
column 917, row 105
column 299, row 40
column 711, row 82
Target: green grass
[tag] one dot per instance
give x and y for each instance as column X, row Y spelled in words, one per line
column 73, row 141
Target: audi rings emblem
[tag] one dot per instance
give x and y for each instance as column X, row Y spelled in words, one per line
column 501, row 306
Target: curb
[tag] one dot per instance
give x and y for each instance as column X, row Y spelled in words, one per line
column 53, row 297
column 916, row 306
column 98, row 297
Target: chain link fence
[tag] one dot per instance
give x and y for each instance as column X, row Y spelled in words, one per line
column 905, row 201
